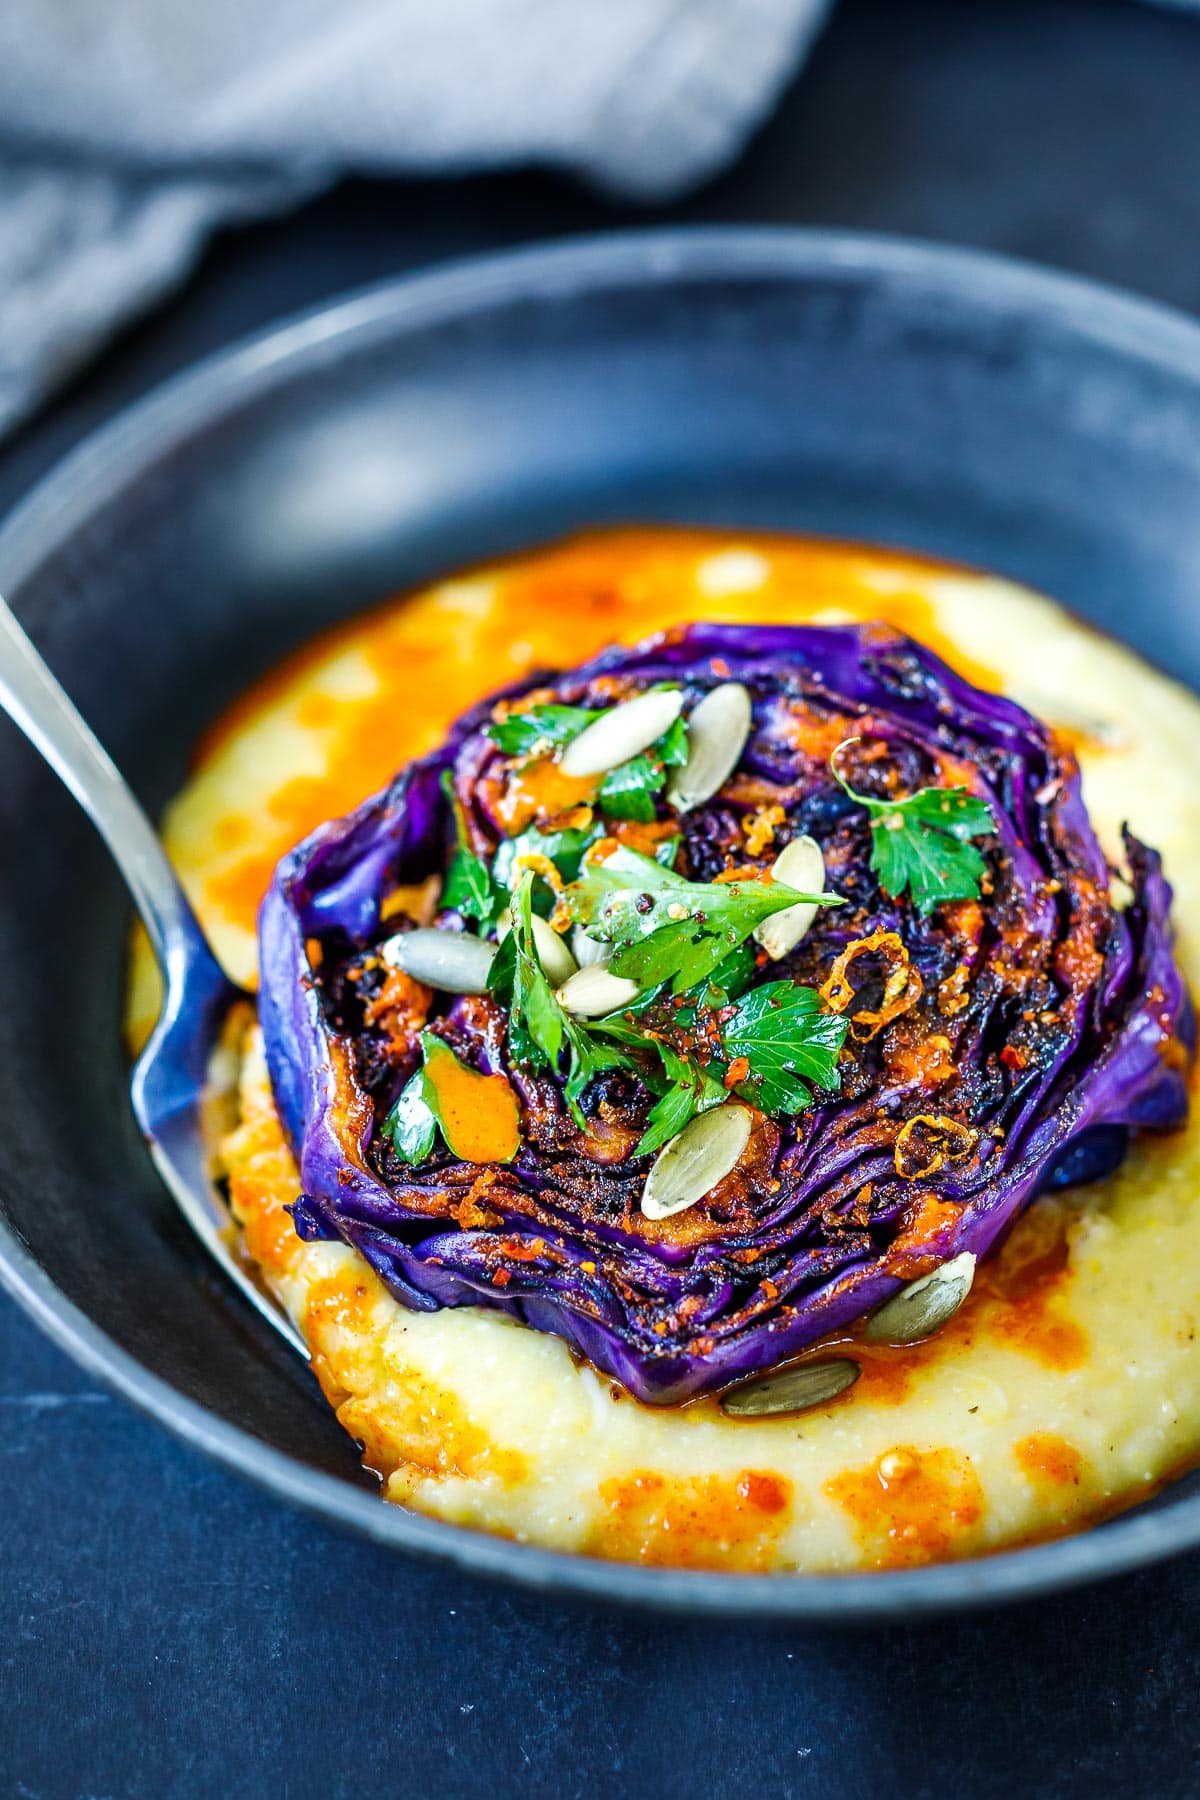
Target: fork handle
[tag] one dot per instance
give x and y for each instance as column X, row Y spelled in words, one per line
column 37, row 703
column 168, row 1078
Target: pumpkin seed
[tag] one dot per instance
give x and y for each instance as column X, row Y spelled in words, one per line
column 624, row 732
column 717, row 733
column 799, row 865
column 587, row 952
column 924, row 1306
column 792, row 1390
column 691, row 1165
column 554, row 954
column 593, row 991
column 450, row 960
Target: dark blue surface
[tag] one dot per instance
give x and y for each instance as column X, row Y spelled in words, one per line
column 169, row 1631
column 164, row 1630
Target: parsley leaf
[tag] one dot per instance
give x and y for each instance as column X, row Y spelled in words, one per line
column 443, row 1064
column 533, row 999
column 469, row 887
column 667, row 1118
column 672, row 748
column 565, row 849
column 509, row 979
column 922, row 844
column 542, row 727
column 931, row 865
column 470, row 890
column 683, row 1089
column 502, row 973
column 780, row 1031
column 665, row 927
column 627, row 792
column 411, row 1125
column 788, row 1039
column 731, row 977
column 538, row 1029
column 589, row 1058
column 692, row 1091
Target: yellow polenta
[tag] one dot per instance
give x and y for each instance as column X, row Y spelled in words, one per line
column 1068, row 1385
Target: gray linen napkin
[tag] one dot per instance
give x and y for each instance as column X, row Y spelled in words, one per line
column 130, row 129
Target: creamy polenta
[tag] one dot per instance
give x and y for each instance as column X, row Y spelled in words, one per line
column 1069, row 1383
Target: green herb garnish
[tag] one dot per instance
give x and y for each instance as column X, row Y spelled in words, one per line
column 731, row 977
column 626, row 792
column 769, row 1044
column 589, row 1057
column 771, row 1047
column 565, row 849
column 541, row 728
column 667, row 928
column 789, row 1040
column 539, row 1031
column 922, row 844
column 410, row 1125
column 692, row 1090
column 470, row 887
column 536, row 1020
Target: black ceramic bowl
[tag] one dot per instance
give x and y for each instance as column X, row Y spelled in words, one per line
column 948, row 402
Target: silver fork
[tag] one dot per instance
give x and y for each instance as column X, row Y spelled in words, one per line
column 168, row 1078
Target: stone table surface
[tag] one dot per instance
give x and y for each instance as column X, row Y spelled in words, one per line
column 165, row 1630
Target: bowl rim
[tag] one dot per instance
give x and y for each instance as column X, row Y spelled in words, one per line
column 109, row 458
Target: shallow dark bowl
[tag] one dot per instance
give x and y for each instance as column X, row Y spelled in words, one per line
column 949, row 402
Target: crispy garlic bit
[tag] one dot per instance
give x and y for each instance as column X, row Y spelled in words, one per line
column 929, row 1141
column 902, row 989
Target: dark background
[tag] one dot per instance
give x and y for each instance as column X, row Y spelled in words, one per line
column 167, row 1631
